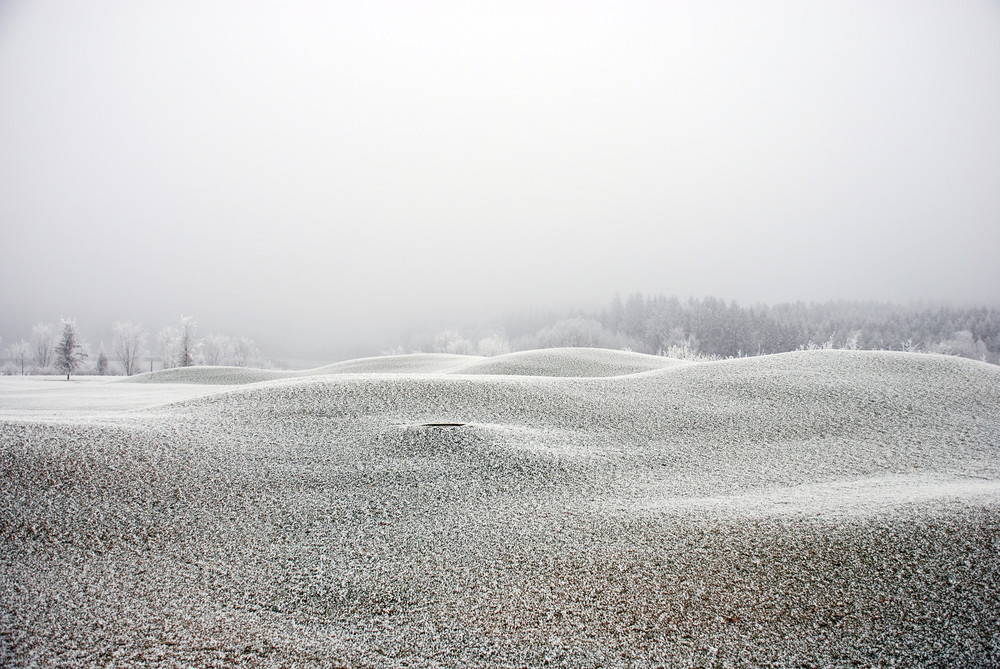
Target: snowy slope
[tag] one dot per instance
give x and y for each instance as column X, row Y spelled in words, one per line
column 583, row 362
column 821, row 507
column 210, row 375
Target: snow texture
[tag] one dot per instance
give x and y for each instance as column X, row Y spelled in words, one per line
column 579, row 509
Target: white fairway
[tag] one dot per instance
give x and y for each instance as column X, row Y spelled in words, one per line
column 572, row 507
column 82, row 397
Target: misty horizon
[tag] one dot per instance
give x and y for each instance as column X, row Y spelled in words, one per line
column 321, row 178
column 697, row 328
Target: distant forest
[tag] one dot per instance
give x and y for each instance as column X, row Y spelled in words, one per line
column 711, row 328
column 695, row 329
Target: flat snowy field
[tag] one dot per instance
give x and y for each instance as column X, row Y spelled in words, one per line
column 574, row 507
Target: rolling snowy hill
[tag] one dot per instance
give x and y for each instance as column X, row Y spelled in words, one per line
column 575, row 507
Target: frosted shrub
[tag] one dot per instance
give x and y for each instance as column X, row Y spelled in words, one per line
column 686, row 350
column 965, row 345
column 493, row 345
column 450, row 341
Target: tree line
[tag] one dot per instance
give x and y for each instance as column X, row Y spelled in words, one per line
column 711, row 328
column 131, row 351
column 705, row 329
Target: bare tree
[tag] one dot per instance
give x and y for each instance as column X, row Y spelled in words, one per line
column 245, row 352
column 167, row 341
column 495, row 344
column 239, row 351
column 178, row 346
column 70, row 351
column 450, row 341
column 215, row 349
column 19, row 352
column 130, row 340
column 43, row 341
column 187, row 341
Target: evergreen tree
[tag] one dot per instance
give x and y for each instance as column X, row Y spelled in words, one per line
column 69, row 352
column 102, row 364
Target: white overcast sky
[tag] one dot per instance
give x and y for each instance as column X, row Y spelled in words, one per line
column 307, row 172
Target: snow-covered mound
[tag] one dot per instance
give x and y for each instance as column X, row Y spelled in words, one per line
column 414, row 363
column 209, row 375
column 788, row 419
column 582, row 362
column 411, row 363
column 818, row 508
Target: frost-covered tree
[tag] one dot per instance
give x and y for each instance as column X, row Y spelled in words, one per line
column 167, row 341
column 187, row 341
column 245, row 352
column 634, row 316
column 215, row 349
column 70, row 351
column 450, row 341
column 43, row 341
column 19, row 352
column 239, row 351
column 130, row 340
column 101, row 366
column 178, row 346
column 963, row 343
column 852, row 343
column 686, row 350
column 616, row 320
column 493, row 345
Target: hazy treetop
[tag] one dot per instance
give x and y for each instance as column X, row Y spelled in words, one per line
column 333, row 168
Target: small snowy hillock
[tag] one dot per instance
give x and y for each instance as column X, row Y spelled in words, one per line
column 580, row 362
column 209, row 375
column 411, row 363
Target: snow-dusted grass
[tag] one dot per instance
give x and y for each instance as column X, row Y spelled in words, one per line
column 822, row 507
column 209, row 375
column 414, row 363
column 583, row 362
column 577, row 362
column 84, row 397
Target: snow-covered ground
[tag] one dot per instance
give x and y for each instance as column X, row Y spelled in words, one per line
column 573, row 507
column 82, row 397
